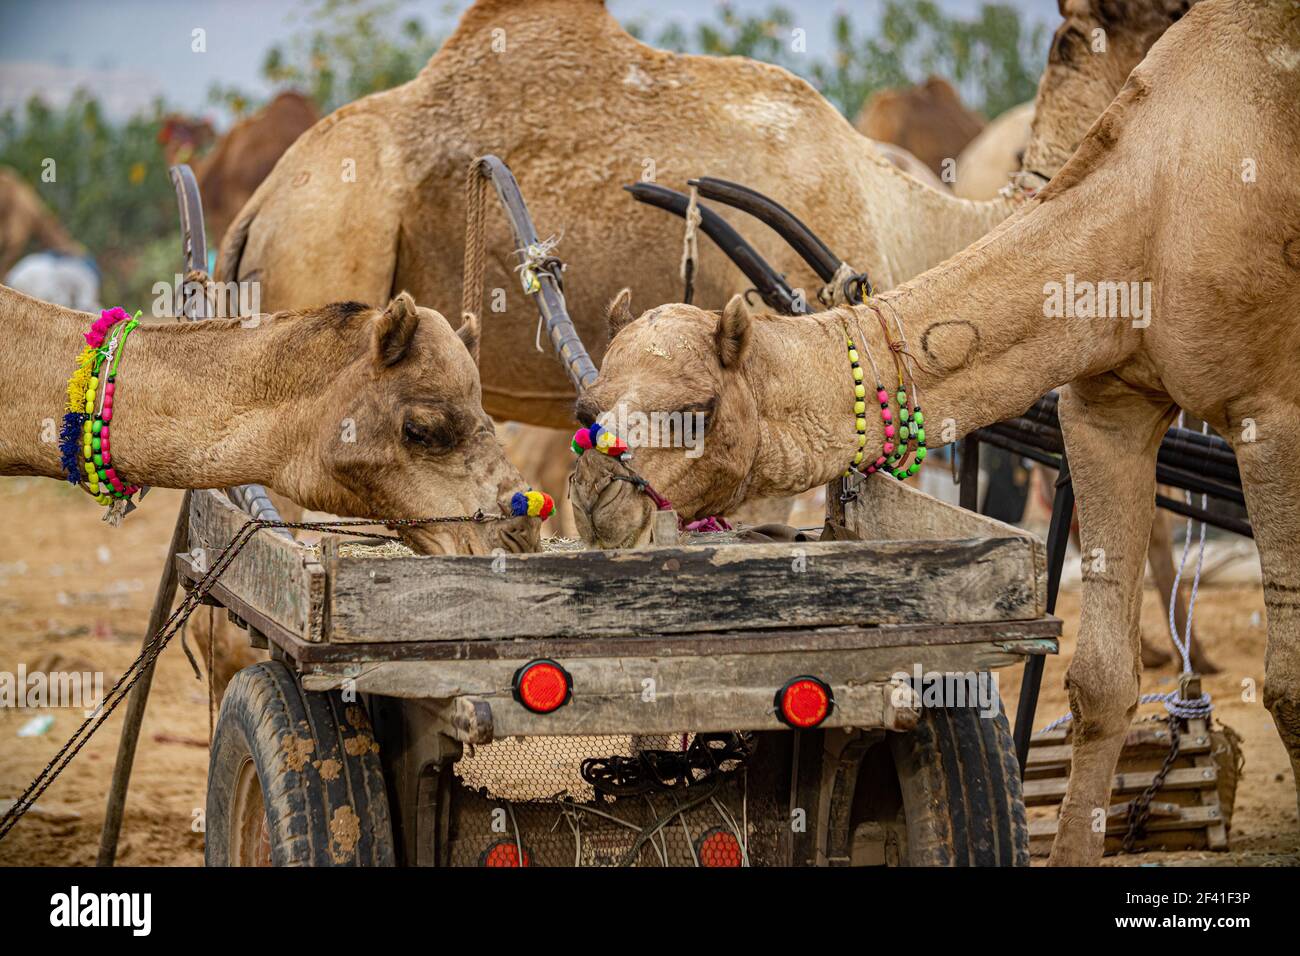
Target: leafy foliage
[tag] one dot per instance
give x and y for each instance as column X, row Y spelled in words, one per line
column 986, row 56
column 110, row 187
column 351, row 48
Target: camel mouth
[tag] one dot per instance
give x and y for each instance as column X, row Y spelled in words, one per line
column 519, row 535
column 609, row 512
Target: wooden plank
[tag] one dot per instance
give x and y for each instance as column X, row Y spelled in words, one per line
column 1018, row 638
column 278, row 577
column 626, row 675
column 887, row 509
column 1046, row 759
column 1052, row 789
column 1186, row 818
column 682, row 590
column 872, row 705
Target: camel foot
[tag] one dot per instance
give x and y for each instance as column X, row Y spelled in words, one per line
column 1202, row 664
column 1153, row 656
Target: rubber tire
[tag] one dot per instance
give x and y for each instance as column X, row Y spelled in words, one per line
column 960, row 783
column 337, row 819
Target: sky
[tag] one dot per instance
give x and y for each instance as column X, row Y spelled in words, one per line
column 132, row 51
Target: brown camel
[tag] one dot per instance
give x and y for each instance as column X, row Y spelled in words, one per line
column 245, row 156
column 25, row 220
column 1211, row 243
column 371, row 198
column 345, row 408
column 928, row 120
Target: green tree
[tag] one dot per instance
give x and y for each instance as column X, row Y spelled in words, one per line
column 350, row 48
column 988, row 56
column 109, row 186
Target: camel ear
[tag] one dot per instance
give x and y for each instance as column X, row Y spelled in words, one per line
column 619, row 312
column 732, row 334
column 470, row 333
column 394, row 329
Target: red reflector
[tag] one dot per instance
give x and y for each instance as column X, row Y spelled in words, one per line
column 719, row 848
column 542, row 686
column 804, row 702
column 503, row 853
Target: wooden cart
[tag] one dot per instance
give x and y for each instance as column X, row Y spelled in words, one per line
column 385, row 728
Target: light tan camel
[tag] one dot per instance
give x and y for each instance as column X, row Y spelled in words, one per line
column 371, row 198
column 1207, row 233
column 25, row 220
column 345, row 408
column 928, row 120
column 910, row 164
column 989, row 161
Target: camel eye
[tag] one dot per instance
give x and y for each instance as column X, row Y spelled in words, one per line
column 427, row 436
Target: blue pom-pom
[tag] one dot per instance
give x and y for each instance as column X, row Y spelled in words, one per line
column 70, row 445
column 519, row 504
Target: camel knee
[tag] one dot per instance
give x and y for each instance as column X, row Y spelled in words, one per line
column 1102, row 703
column 1284, row 705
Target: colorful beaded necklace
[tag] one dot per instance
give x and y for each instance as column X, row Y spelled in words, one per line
column 898, row 445
column 860, row 407
column 85, row 442
column 911, row 421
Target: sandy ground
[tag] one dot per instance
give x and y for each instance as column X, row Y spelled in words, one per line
column 75, row 595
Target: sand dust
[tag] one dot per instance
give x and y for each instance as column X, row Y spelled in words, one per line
column 76, row 589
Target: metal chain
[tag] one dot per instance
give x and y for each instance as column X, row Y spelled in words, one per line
column 649, row 771
column 1139, row 810
column 192, row 600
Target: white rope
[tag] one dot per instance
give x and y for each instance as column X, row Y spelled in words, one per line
column 1175, row 704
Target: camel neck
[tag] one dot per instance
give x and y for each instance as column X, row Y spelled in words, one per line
column 985, row 335
column 196, row 403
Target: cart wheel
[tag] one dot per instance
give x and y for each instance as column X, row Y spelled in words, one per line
column 960, row 783
column 946, row 794
column 294, row 778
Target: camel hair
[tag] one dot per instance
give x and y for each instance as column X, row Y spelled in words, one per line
column 371, row 198
column 1203, row 237
column 346, row 408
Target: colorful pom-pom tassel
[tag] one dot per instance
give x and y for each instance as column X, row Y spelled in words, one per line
column 534, row 504
column 598, row 438
column 70, row 445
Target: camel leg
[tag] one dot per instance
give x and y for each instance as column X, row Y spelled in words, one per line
column 1161, row 559
column 1111, row 435
column 1268, row 468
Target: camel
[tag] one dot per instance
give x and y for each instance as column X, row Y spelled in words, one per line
column 909, row 164
column 929, row 120
column 371, row 198
column 345, row 408
column 25, row 220
column 990, row 160
column 246, row 154
column 1219, row 328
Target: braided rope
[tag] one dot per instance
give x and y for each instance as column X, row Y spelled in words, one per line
column 475, row 239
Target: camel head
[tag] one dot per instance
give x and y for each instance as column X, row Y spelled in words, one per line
column 1092, row 53
column 397, row 430
column 672, row 386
